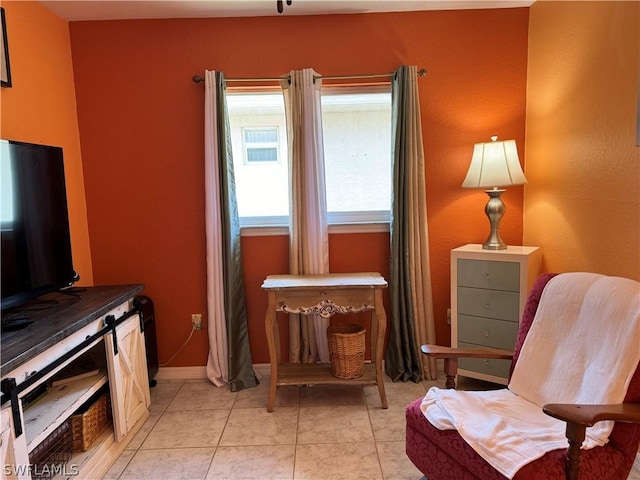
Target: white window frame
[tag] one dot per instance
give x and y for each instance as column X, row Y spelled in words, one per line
column 338, row 222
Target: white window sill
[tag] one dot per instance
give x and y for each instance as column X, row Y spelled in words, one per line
column 273, row 230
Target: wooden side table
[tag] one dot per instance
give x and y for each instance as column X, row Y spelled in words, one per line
column 324, row 295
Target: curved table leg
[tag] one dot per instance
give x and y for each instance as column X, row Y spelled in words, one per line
column 380, row 317
column 273, row 342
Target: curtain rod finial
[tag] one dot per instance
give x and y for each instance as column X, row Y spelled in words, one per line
column 197, row 78
column 422, row 72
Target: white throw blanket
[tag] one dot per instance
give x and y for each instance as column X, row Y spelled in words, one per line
column 583, row 347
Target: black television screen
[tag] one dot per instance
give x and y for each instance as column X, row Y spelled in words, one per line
column 34, row 222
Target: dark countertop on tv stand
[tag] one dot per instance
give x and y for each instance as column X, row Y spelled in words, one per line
column 68, row 315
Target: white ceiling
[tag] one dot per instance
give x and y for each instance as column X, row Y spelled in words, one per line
column 120, row 9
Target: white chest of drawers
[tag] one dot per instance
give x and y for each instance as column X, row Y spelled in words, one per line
column 489, row 290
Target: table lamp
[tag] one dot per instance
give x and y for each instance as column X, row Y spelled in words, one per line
column 494, row 164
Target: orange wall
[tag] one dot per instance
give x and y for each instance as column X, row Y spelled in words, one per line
column 40, row 107
column 141, row 124
column 582, row 203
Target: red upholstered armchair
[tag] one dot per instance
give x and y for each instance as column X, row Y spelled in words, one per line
column 445, row 455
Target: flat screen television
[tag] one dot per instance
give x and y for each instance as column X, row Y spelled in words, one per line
column 34, row 222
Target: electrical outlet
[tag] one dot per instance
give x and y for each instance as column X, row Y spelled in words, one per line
column 196, row 321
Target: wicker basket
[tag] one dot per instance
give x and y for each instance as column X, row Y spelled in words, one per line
column 346, row 349
column 87, row 426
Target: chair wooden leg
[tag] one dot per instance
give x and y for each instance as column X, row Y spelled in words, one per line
column 451, row 370
column 575, row 435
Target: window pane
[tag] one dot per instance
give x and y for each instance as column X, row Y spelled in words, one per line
column 261, row 136
column 357, row 147
column 357, row 150
column 261, row 183
column 262, row 154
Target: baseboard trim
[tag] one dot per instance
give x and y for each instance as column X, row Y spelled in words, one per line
column 262, row 369
column 190, row 373
column 181, row 373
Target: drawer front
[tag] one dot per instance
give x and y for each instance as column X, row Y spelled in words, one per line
column 488, row 366
column 323, row 300
column 487, row 332
column 487, row 274
column 478, row 302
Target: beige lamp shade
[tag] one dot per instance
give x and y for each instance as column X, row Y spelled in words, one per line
column 494, row 164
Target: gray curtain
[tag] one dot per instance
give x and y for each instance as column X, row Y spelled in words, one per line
column 225, row 229
column 412, row 322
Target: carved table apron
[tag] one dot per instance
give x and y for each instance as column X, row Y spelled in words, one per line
column 324, row 295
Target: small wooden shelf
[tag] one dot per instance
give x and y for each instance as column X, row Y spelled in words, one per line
column 320, row 373
column 48, row 413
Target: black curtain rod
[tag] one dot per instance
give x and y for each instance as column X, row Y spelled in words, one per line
column 198, row 79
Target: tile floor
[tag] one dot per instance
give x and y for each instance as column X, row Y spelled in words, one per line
column 198, row 431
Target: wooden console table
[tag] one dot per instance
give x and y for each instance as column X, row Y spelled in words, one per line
column 324, row 295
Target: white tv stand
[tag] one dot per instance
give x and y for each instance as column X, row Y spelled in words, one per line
column 100, row 326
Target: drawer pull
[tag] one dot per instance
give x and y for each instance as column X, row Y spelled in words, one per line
column 487, row 275
column 487, row 305
column 486, row 333
column 486, row 362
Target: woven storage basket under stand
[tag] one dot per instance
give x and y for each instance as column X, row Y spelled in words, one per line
column 88, row 426
column 346, row 349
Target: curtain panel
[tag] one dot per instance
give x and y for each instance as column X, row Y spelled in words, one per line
column 412, row 322
column 308, row 230
column 229, row 359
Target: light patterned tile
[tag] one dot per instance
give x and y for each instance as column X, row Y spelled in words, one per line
column 332, row 395
column 256, row 426
column 172, row 463
column 286, row 396
column 388, row 424
column 147, row 426
column 342, row 461
column 395, row 463
column 319, row 432
column 333, row 424
column 398, row 392
column 202, row 395
column 264, row 462
column 197, row 428
column 163, row 393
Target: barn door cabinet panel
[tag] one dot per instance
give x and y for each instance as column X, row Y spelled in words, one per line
column 75, row 350
column 129, row 382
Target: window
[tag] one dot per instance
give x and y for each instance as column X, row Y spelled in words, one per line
column 260, row 145
column 257, row 123
column 356, row 126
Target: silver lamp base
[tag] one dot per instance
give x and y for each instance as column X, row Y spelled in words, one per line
column 494, row 209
